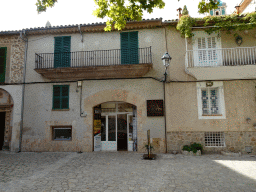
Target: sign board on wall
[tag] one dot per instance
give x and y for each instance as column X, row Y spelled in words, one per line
column 155, row 108
column 97, row 126
column 97, row 143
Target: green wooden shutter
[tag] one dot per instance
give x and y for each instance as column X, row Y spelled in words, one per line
column 65, row 97
column 66, row 51
column 125, row 48
column 129, row 48
column 57, row 51
column 3, row 51
column 62, row 51
column 60, row 97
column 56, row 97
column 133, row 45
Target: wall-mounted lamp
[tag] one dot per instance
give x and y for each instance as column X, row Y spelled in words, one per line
column 239, row 40
column 209, row 84
column 166, row 58
column 248, row 120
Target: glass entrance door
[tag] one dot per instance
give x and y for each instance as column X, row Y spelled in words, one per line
column 117, row 132
column 108, row 133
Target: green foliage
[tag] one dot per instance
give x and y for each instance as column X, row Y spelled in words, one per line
column 204, row 7
column 218, row 23
column 185, row 10
column 119, row 12
column 186, row 148
column 194, row 147
column 184, row 25
column 43, row 4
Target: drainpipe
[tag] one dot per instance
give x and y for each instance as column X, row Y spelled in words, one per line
column 23, row 85
column 165, row 76
column 79, row 28
column 165, row 127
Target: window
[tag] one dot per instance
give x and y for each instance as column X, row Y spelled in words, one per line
column 210, row 99
column 62, row 51
column 206, row 49
column 60, row 97
column 214, row 139
column 62, row 133
column 129, row 47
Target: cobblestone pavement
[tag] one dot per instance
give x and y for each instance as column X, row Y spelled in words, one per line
column 125, row 171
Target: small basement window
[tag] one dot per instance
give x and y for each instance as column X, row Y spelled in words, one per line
column 62, row 133
column 214, row 139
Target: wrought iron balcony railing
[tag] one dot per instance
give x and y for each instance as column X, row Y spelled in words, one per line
column 93, row 58
column 221, row 57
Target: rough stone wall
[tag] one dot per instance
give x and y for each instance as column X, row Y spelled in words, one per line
column 235, row 141
column 15, row 57
column 5, row 99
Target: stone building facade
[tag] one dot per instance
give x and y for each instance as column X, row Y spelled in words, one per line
column 85, row 99
column 12, row 67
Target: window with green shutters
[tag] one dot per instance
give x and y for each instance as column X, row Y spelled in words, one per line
column 62, row 51
column 60, row 97
column 3, row 51
column 129, row 48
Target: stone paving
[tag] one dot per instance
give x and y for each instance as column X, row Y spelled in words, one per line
column 125, row 171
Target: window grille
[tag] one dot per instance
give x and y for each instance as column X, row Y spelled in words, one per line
column 214, row 139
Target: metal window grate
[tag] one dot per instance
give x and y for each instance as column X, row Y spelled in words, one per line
column 214, row 139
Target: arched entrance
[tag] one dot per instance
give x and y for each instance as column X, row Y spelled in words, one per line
column 6, row 105
column 115, row 126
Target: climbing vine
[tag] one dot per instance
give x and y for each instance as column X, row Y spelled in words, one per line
column 217, row 23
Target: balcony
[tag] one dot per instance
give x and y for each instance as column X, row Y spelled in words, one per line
column 102, row 64
column 221, row 64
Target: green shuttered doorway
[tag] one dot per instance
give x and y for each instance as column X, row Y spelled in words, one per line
column 62, row 51
column 129, row 48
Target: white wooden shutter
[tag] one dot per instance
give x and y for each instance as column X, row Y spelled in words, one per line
column 207, row 50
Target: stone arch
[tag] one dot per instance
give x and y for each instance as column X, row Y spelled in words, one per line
column 116, row 95
column 6, row 105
